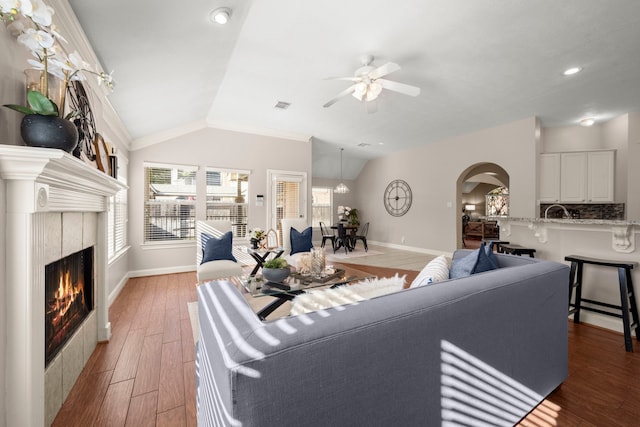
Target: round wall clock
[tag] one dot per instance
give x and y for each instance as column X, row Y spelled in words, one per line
column 397, row 197
column 78, row 102
column 102, row 155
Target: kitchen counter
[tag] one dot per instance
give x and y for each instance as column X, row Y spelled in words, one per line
column 567, row 221
column 554, row 239
column 622, row 231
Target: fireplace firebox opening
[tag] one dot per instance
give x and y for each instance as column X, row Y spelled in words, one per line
column 69, row 284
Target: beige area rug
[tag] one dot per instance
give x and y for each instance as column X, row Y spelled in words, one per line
column 341, row 256
column 192, row 307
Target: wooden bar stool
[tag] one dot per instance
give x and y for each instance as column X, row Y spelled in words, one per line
column 627, row 294
column 516, row 250
column 496, row 243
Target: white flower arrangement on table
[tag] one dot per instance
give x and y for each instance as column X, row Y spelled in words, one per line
column 31, row 22
column 344, row 211
column 350, row 214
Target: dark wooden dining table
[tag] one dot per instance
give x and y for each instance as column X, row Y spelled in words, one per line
column 351, row 230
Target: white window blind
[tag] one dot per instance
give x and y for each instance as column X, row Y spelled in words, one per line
column 321, row 205
column 170, row 202
column 117, row 233
column 228, row 198
column 117, row 218
column 287, row 195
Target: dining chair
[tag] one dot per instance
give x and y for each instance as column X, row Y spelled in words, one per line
column 362, row 236
column 327, row 234
column 343, row 240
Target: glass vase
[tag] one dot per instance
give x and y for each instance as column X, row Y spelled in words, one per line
column 56, row 89
column 317, row 262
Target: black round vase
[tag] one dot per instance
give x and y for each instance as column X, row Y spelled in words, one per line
column 49, row 132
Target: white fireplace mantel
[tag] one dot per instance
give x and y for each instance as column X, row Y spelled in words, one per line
column 38, row 181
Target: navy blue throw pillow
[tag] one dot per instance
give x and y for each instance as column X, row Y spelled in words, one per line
column 216, row 249
column 492, row 256
column 476, row 262
column 301, row 242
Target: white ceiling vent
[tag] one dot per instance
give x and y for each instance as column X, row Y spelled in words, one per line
column 282, row 105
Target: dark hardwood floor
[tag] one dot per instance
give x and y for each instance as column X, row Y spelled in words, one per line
column 145, row 375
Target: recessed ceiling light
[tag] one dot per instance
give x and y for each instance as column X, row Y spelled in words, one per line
column 571, row 71
column 220, row 15
column 587, row 122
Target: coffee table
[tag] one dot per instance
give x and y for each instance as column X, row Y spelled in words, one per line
column 260, row 256
column 295, row 285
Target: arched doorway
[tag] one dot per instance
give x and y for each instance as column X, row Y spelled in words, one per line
column 473, row 185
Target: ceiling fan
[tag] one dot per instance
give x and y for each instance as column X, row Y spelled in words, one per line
column 368, row 82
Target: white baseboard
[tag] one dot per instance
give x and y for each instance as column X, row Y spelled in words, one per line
column 159, row 271
column 114, row 294
column 411, row 248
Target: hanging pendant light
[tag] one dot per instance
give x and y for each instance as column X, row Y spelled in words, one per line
column 341, row 188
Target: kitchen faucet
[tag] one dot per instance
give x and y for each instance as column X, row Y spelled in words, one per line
column 566, row 212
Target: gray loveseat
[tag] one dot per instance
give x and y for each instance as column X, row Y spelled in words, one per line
column 487, row 347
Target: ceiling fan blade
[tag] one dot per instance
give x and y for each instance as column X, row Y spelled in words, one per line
column 383, row 70
column 351, row 79
column 345, row 92
column 399, row 87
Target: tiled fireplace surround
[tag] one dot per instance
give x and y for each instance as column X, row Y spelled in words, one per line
column 55, row 205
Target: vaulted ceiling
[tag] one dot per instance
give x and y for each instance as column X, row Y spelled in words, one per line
column 479, row 63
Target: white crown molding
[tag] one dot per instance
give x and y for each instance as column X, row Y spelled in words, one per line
column 259, row 131
column 166, row 135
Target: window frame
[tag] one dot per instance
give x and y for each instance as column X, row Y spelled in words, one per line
column 189, row 239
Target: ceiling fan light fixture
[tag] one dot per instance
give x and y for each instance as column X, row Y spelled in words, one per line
column 220, row 15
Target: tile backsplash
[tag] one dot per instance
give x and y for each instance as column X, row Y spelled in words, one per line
column 611, row 211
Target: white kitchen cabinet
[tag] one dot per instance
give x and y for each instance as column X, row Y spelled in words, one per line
column 549, row 182
column 573, row 177
column 577, row 177
column 601, row 175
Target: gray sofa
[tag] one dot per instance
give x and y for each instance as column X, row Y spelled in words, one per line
column 486, row 347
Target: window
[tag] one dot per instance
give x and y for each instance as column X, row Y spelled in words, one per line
column 321, row 205
column 228, row 198
column 498, row 202
column 117, row 218
column 170, row 202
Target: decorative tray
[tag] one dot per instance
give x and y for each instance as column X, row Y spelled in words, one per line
column 323, row 278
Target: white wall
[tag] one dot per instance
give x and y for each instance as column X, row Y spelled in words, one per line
column 633, row 171
column 433, row 170
column 208, row 148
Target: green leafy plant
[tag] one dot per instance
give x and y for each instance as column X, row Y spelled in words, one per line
column 38, row 104
column 276, row 263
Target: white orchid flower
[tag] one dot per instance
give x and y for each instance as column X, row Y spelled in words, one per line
column 76, row 61
column 36, row 65
column 56, row 34
column 107, row 79
column 36, row 39
column 12, row 7
column 41, row 14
